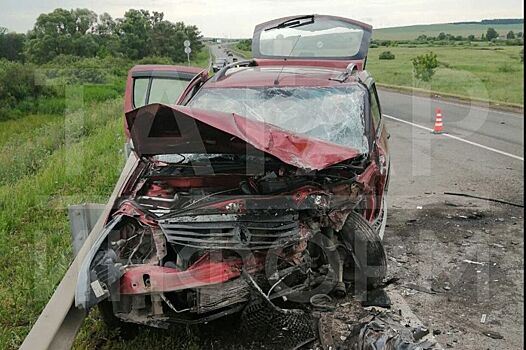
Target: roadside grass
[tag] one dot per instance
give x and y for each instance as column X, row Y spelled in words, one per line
column 35, row 248
column 50, row 159
column 24, row 127
column 489, row 73
column 24, row 155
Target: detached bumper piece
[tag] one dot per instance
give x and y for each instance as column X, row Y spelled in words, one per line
column 265, row 323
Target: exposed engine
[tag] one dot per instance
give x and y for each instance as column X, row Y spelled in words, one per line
column 192, row 239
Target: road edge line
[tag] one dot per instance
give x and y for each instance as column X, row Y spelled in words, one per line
column 456, row 138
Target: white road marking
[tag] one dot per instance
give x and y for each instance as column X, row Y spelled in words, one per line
column 456, row 138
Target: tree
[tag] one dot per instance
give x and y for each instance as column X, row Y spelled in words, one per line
column 11, row 45
column 519, row 35
column 62, row 32
column 441, row 36
column 471, row 37
column 510, row 35
column 81, row 33
column 491, row 34
column 422, row 37
column 424, row 66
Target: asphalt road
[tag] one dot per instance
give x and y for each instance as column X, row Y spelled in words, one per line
column 483, row 159
column 220, row 52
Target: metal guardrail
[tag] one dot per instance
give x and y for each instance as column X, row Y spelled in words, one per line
column 59, row 322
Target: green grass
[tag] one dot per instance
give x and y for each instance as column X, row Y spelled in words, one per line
column 487, row 73
column 412, row 32
column 23, row 127
column 34, row 231
column 47, row 164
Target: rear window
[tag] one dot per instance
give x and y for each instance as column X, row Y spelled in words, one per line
column 312, row 37
column 333, row 114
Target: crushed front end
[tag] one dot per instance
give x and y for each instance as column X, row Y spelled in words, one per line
column 194, row 238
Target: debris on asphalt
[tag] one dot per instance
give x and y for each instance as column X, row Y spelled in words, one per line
column 419, row 288
column 419, row 332
column 484, row 198
column 483, row 319
column 493, row 335
column 473, row 262
column 384, row 332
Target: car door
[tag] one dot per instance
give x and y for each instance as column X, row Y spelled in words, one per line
column 380, row 140
column 165, row 84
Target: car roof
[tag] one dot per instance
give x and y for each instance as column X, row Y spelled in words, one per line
column 264, row 76
column 164, row 67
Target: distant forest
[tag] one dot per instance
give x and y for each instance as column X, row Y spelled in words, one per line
column 495, row 21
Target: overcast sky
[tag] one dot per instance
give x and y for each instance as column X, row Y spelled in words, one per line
column 237, row 18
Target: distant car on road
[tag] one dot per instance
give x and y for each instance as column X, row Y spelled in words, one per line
column 219, row 63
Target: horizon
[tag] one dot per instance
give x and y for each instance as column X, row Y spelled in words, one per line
column 21, row 17
column 402, row 26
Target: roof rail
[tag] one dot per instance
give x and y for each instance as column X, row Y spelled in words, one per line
column 222, row 72
column 344, row 75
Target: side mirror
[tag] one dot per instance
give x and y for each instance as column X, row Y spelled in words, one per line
column 215, row 69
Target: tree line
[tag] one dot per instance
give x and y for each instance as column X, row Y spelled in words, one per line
column 84, row 33
column 491, row 35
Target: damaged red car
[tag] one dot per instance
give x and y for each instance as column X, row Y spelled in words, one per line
column 266, row 181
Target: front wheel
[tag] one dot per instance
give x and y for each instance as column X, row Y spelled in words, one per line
column 366, row 251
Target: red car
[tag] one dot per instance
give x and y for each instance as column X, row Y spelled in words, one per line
column 267, row 180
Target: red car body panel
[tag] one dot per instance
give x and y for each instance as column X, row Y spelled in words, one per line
column 208, row 136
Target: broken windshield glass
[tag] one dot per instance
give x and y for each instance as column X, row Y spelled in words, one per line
column 333, row 114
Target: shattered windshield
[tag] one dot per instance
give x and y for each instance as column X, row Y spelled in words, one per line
column 333, row 114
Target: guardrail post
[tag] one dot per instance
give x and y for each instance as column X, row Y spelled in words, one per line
column 82, row 219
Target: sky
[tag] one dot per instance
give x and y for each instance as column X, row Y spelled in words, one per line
column 236, row 19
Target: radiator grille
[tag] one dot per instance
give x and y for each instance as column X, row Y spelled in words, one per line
column 230, row 231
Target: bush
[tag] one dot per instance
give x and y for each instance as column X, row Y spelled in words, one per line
column 424, row 66
column 387, row 55
column 506, row 68
column 18, row 84
column 245, row 45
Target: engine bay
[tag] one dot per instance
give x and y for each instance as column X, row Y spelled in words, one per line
column 194, row 237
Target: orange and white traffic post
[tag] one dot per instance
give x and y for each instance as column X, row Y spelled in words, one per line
column 439, row 126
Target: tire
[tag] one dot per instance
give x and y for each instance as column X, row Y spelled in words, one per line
column 366, row 250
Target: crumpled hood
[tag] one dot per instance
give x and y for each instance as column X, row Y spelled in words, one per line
column 163, row 129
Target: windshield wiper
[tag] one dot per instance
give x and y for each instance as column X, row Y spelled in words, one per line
column 294, row 22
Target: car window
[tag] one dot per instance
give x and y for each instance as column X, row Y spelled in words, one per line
column 162, row 90
column 311, row 37
column 375, row 107
column 140, row 90
column 166, row 90
column 333, row 114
